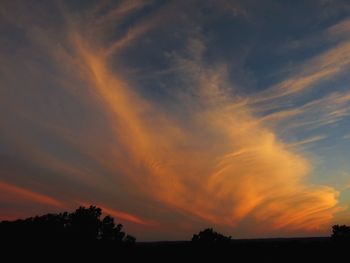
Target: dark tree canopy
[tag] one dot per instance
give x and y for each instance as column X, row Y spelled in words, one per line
column 341, row 233
column 83, row 225
column 209, row 236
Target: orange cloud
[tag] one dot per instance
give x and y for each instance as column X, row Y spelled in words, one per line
column 341, row 29
column 125, row 216
column 13, row 192
column 232, row 166
column 122, row 215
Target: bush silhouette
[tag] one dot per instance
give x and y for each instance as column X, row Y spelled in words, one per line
column 341, row 233
column 209, row 236
column 129, row 239
column 83, row 225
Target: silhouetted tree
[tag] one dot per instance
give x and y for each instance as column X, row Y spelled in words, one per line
column 107, row 228
column 209, row 236
column 83, row 225
column 341, row 233
column 110, row 231
column 130, row 239
column 119, row 234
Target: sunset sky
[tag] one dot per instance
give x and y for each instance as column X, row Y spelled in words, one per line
column 173, row 116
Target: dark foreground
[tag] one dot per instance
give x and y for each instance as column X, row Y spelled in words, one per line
column 263, row 250
column 85, row 236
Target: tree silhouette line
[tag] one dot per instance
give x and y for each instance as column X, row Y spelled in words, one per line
column 83, row 225
column 341, row 233
column 210, row 237
column 86, row 224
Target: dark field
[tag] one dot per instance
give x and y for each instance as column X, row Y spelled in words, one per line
column 258, row 250
column 84, row 235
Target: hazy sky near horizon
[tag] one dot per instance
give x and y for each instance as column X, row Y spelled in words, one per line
column 173, row 116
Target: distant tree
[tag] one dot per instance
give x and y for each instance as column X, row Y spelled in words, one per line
column 110, row 231
column 130, row 239
column 83, row 225
column 341, row 233
column 119, row 234
column 209, row 236
column 107, row 228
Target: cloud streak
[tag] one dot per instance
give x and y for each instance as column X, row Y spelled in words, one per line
column 322, row 68
column 9, row 191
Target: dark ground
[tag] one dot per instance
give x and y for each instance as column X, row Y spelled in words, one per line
column 255, row 250
column 85, row 236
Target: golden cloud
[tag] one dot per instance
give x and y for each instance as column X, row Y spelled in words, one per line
column 224, row 167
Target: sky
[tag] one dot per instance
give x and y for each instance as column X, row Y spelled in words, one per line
column 174, row 116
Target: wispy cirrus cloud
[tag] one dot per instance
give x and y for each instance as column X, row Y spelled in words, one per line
column 326, row 110
column 346, row 136
column 308, row 141
column 341, row 29
column 171, row 175
column 312, row 73
column 9, row 191
column 319, row 69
